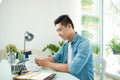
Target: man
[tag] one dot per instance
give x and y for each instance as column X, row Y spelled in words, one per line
column 75, row 55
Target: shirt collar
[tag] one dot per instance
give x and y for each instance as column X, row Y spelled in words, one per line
column 75, row 37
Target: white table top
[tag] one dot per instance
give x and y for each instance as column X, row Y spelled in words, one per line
column 59, row 75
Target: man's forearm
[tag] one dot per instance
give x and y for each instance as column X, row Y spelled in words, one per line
column 58, row 66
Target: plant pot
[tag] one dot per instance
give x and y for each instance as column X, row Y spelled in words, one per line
column 116, row 52
column 11, row 57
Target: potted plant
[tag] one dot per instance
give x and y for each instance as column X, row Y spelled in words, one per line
column 53, row 48
column 86, row 4
column 115, row 45
column 96, row 48
column 11, row 48
column 87, row 34
column 88, row 20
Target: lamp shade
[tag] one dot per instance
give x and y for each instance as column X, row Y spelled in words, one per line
column 28, row 36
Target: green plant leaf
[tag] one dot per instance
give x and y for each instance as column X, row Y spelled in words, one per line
column 96, row 48
column 53, row 48
column 115, row 44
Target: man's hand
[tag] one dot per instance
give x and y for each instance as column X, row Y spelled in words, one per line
column 42, row 62
column 49, row 62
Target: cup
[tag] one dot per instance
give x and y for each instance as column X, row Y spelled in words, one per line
column 31, row 58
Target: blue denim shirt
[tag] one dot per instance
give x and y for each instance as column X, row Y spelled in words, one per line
column 81, row 65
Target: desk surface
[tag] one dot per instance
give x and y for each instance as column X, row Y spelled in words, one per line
column 59, row 75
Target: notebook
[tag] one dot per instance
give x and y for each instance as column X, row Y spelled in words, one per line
column 36, row 76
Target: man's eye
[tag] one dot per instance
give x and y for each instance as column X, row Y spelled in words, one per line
column 59, row 30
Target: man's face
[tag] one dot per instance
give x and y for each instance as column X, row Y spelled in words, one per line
column 62, row 31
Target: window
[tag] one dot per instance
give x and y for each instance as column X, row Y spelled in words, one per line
column 100, row 20
column 112, row 35
column 90, row 21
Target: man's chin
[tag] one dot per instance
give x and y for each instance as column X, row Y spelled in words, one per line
column 64, row 39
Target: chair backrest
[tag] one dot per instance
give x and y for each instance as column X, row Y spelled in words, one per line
column 99, row 67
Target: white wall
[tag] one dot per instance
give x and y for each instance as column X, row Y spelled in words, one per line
column 35, row 16
column 72, row 7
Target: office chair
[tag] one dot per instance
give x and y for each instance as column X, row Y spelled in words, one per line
column 99, row 68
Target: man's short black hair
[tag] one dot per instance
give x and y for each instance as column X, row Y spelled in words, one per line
column 64, row 20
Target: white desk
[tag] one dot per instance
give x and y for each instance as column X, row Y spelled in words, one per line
column 59, row 75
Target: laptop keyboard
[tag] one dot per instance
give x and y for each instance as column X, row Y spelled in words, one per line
column 16, row 68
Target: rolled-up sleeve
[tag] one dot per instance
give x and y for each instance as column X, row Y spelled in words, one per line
column 57, row 56
column 81, row 57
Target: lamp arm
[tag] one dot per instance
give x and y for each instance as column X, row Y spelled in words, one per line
column 24, row 43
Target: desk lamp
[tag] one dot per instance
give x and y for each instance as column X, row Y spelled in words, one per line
column 27, row 37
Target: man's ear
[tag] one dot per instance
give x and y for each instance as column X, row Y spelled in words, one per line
column 69, row 25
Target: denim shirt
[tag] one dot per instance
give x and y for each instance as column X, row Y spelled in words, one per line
column 81, row 64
